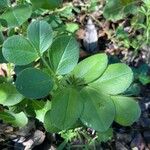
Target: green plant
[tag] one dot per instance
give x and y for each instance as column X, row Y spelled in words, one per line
column 141, row 21
column 118, row 9
column 57, row 90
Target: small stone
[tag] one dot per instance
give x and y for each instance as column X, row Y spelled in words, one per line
column 90, row 40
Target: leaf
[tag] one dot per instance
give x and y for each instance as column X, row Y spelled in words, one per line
column 1, row 38
column 91, row 68
column 9, row 96
column 46, row 4
column 16, row 16
column 64, row 54
column 66, row 108
column 4, row 4
column 18, row 50
column 7, row 117
column 48, row 123
column 115, row 80
column 40, row 113
column 2, row 59
column 144, row 79
column 33, row 83
column 72, row 27
column 99, row 110
column 105, row 136
column 117, row 9
column 41, row 35
column 127, row 110
column 18, row 69
column 37, row 105
column 19, row 119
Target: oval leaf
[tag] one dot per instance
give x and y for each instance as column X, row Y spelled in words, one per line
column 91, row 68
column 64, row 54
column 127, row 110
column 40, row 34
column 116, row 79
column 48, row 124
column 18, row 50
column 9, row 96
column 99, row 110
column 33, row 83
column 66, row 108
column 46, row 4
column 16, row 16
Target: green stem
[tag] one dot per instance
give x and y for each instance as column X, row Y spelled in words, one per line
column 147, row 24
column 46, row 64
column 49, row 68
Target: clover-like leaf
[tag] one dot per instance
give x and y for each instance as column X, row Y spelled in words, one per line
column 99, row 110
column 127, row 110
column 64, row 54
column 18, row 50
column 40, row 34
column 34, row 83
column 9, row 96
column 66, row 108
column 91, row 68
column 16, row 16
column 115, row 80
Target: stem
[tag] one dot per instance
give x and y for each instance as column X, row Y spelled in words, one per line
column 46, row 64
column 147, row 24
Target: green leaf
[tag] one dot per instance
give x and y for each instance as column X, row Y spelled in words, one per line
column 4, row 4
column 91, row 68
column 1, row 38
column 144, row 79
column 18, row 50
column 115, row 80
column 72, row 27
column 37, row 105
column 66, row 108
column 9, row 96
column 99, row 110
column 49, row 124
column 19, row 119
column 64, row 54
column 40, row 113
column 127, row 110
column 2, row 59
column 6, row 117
column 46, row 4
column 41, row 35
column 33, row 83
column 117, row 9
column 105, row 136
column 18, row 69
column 16, row 16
